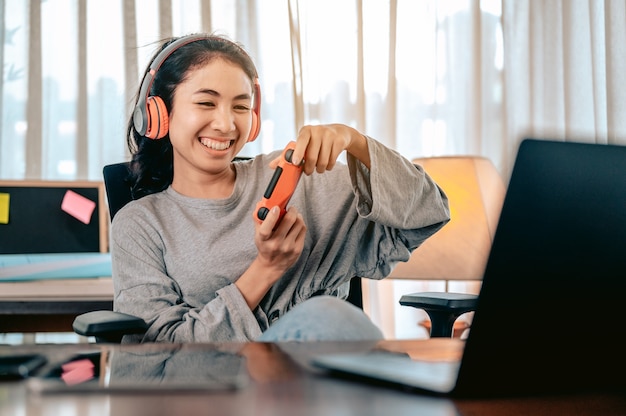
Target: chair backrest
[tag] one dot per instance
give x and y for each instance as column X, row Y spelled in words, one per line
column 119, row 194
column 117, row 186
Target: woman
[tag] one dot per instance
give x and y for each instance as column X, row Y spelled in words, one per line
column 189, row 258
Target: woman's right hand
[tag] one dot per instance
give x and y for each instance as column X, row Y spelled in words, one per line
column 280, row 246
column 278, row 249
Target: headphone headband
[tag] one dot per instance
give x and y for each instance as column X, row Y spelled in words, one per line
column 156, row 126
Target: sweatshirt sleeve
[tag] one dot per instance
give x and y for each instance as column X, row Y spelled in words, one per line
column 143, row 288
column 395, row 192
column 402, row 206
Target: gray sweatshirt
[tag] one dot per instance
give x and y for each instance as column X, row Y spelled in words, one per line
column 175, row 258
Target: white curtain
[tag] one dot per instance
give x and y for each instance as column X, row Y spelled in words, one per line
column 423, row 77
column 565, row 68
column 436, row 77
column 428, row 78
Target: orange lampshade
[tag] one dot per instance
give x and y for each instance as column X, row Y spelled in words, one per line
column 460, row 249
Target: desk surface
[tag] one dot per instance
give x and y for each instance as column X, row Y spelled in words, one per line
column 281, row 383
column 51, row 305
column 58, row 290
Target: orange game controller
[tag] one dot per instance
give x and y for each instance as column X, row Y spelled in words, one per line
column 281, row 186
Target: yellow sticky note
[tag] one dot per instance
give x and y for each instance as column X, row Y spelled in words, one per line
column 4, row 208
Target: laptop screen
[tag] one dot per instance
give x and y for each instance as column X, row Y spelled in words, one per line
column 550, row 309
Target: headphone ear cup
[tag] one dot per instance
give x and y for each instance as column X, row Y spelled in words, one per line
column 256, row 112
column 256, row 126
column 157, row 117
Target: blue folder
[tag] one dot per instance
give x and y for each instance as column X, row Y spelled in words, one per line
column 23, row 267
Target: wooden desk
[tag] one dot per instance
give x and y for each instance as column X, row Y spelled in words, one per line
column 51, row 305
column 281, row 383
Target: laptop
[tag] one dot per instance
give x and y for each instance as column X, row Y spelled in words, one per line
column 552, row 302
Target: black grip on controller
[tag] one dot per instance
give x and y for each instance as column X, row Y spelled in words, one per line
column 272, row 185
column 262, row 213
column 288, row 155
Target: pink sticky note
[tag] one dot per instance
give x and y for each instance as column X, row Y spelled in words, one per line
column 73, row 365
column 78, row 375
column 77, row 371
column 78, row 206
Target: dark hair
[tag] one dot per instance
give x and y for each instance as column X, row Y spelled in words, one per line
column 152, row 160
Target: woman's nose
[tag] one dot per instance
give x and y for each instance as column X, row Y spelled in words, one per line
column 224, row 120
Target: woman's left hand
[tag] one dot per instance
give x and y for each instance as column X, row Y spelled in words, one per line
column 318, row 147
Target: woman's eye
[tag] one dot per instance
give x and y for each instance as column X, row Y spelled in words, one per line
column 207, row 104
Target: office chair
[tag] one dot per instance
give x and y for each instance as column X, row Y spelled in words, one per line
column 109, row 326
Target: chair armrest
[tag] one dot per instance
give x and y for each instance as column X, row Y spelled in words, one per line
column 443, row 308
column 448, row 301
column 108, row 326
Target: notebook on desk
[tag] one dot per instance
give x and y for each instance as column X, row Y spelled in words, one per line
column 550, row 312
column 51, row 266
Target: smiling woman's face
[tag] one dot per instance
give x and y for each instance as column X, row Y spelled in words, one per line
column 211, row 118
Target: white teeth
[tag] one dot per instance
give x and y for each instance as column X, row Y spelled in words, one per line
column 215, row 144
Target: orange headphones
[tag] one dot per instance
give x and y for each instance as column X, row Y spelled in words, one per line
column 150, row 117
